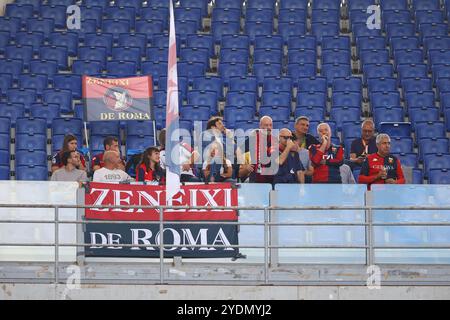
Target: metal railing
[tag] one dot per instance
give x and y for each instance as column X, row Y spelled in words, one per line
column 368, row 224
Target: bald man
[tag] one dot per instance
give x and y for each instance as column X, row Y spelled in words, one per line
column 290, row 167
column 111, row 173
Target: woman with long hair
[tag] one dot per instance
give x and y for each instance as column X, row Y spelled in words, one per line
column 70, row 143
column 149, row 169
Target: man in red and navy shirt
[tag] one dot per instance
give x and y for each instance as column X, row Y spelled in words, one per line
column 326, row 158
column 109, row 143
column 381, row 167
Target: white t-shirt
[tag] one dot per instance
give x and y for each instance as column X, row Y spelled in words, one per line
column 110, row 176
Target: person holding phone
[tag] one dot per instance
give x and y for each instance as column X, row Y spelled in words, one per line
column 361, row 147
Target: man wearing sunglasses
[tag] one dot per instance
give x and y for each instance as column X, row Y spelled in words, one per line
column 290, row 167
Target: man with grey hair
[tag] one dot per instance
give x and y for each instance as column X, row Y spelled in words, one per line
column 304, row 140
column 326, row 158
column 381, row 167
column 361, row 147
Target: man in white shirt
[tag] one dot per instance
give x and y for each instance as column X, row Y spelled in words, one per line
column 110, row 172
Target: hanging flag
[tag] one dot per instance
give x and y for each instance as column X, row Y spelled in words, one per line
column 117, row 98
column 172, row 117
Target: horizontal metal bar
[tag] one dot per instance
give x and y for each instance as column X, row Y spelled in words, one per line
column 216, row 208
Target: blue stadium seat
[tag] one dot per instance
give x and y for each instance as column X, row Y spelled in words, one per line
column 191, row 69
column 57, row 13
column 396, row 129
column 408, row 56
column 61, row 97
column 291, row 29
column 104, row 40
column 185, row 27
column 105, row 128
column 439, row 176
column 69, row 82
column 300, row 56
column 21, row 95
column 258, row 28
column 436, row 43
column 249, row 84
column 402, row 43
column 346, row 99
column 336, row 42
column 438, row 56
column 160, row 117
column 232, row 114
column 98, row 3
column 232, row 69
column 118, row 26
column 5, row 141
column 157, row 55
column 155, row 13
column 412, row 70
column 5, row 126
column 420, row 99
column 200, row 4
column 382, row 84
column 4, row 40
column 426, row 4
column 311, row 98
column 10, row 24
column 93, row 54
column 237, row 41
column 359, row 4
column 416, row 84
column 221, row 28
column 234, row 55
column 377, row 70
column 59, row 54
column 44, row 25
column 433, row 129
column 433, row 146
column 370, row 43
column 63, row 126
column 260, row 4
column 32, row 173
column 293, row 4
column 361, row 30
column 264, row 70
column 259, row 15
column 429, row 16
column 37, row 82
column 276, row 98
column 210, row 84
column 6, row 81
column 351, row 129
column 423, row 114
column 343, row 114
column 397, row 15
column 87, row 67
column 325, row 15
column 417, row 176
column 159, row 97
column 277, row 113
column 374, row 56
column 443, row 85
column 195, row 112
column 201, row 41
column 24, row 53
column 302, row 42
column 232, row 4
column 394, row 4
column 301, row 70
column 335, row 70
column 121, row 68
column 347, row 84
column 436, row 161
column 4, row 158
column 313, row 113
column 182, row 86
column 441, row 71
column 323, row 29
column 48, row 111
column 11, row 67
column 22, row 11
column 92, row 13
column 137, row 40
column 280, row 124
column 267, row 55
column 326, row 4
column 277, row 84
column 31, row 126
column 387, row 114
column 447, row 119
column 241, row 98
column 203, row 98
column 12, row 111
column 127, row 54
column 384, row 99
column 88, row 26
column 408, row 159
column 121, row 13
column 312, row 84
column 292, row 15
column 31, row 158
column 226, row 14
column 399, row 29
column 139, row 128
column 31, row 142
column 44, row 67
column 29, row 38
